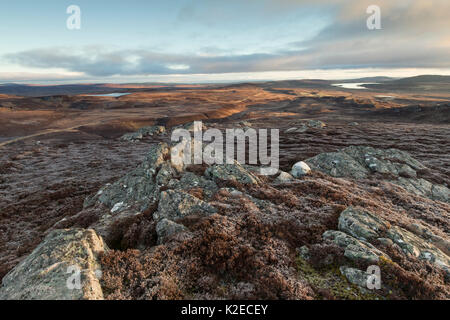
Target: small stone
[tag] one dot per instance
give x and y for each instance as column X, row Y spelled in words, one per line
column 284, row 177
column 300, row 169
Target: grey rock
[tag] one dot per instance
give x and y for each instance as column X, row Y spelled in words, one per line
column 284, row 177
column 354, row 249
column 45, row 273
column 174, row 205
column 398, row 167
column 190, row 180
column 300, row 169
column 303, row 252
column 412, row 244
column 338, row 164
column 303, row 125
column 361, row 224
column 143, row 132
column 165, row 174
column 165, row 229
column 355, row 276
column 231, row 172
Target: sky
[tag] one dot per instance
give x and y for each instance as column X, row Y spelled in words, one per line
column 226, row 40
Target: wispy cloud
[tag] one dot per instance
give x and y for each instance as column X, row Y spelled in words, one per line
column 415, row 34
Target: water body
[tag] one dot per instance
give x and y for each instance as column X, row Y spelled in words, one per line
column 352, row 85
column 115, row 95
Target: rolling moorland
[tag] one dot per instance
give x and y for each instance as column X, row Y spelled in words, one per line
column 87, row 180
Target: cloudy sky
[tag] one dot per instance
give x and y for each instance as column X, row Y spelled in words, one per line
column 226, row 40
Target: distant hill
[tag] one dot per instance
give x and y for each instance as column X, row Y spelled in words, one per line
column 433, row 83
column 424, row 79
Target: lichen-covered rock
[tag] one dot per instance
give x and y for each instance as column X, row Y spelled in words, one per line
column 231, row 172
column 355, row 250
column 412, row 244
column 398, row 167
column 338, row 164
column 355, row 276
column 361, row 224
column 425, row 233
column 166, row 229
column 165, row 174
column 47, row 273
column 190, row 181
column 174, row 205
column 300, row 169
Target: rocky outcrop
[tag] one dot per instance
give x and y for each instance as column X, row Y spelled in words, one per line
column 418, row 247
column 143, row 132
column 361, row 224
column 358, row 228
column 63, row 267
column 395, row 166
column 355, row 250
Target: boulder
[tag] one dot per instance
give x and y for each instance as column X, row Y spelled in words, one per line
column 51, row 271
column 300, row 169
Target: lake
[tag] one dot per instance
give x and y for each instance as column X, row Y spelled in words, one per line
column 109, row 95
column 352, row 85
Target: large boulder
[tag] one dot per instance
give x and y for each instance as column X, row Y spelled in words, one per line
column 51, row 270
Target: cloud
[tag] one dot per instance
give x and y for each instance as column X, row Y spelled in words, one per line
column 415, row 34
